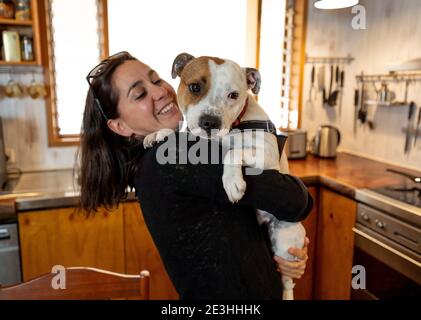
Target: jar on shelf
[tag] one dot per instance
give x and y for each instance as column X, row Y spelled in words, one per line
column 27, row 48
column 7, row 9
column 22, row 10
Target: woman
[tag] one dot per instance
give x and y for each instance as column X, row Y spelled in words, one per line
column 210, row 248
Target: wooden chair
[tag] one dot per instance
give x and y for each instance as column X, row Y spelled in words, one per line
column 81, row 284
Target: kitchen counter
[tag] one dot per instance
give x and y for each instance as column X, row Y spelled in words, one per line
column 344, row 174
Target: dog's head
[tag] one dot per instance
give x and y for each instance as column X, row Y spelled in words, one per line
column 212, row 92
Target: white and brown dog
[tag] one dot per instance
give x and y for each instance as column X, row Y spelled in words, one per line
column 213, row 95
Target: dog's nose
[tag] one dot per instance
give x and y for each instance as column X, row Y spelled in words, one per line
column 208, row 123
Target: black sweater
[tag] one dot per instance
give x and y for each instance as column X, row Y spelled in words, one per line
column 211, row 248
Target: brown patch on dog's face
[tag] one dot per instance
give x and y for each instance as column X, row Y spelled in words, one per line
column 195, row 81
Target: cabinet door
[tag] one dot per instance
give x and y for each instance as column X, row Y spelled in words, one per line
column 304, row 287
column 141, row 253
column 69, row 238
column 335, row 246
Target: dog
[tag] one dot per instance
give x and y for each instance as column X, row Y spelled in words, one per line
column 213, row 96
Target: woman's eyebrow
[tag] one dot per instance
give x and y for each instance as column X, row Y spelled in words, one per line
column 152, row 72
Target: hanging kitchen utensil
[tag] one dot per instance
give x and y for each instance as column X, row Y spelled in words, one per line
column 326, row 99
column 341, row 91
column 321, row 82
column 417, row 132
column 372, row 109
column 333, row 96
column 362, row 112
column 356, row 103
column 411, row 110
column 309, row 102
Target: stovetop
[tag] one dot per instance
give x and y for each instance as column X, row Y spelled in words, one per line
column 405, row 193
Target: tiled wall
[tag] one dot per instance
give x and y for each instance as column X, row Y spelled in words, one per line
column 393, row 34
column 25, row 130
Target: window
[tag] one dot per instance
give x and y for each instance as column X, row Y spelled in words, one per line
column 156, row 31
column 75, row 46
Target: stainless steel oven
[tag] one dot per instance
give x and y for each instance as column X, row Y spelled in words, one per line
column 388, row 245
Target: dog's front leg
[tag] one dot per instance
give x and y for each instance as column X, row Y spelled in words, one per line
column 232, row 179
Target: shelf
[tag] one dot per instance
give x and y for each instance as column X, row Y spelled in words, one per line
column 14, row 22
column 18, row 63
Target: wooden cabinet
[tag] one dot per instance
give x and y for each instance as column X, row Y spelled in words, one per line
column 304, row 287
column 335, row 246
column 30, row 28
column 117, row 241
column 69, row 238
column 120, row 241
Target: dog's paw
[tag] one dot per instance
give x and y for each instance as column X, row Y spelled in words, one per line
column 162, row 134
column 149, row 140
column 234, row 186
column 155, row 137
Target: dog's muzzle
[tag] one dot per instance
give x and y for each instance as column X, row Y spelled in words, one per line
column 209, row 123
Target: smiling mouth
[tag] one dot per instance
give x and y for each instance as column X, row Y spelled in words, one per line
column 166, row 108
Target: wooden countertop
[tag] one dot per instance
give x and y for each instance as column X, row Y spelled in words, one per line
column 346, row 173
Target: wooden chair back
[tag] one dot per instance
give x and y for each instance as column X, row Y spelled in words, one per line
column 81, row 283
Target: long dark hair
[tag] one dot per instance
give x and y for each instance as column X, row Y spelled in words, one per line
column 108, row 160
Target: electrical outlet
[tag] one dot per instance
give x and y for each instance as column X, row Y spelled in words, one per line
column 11, row 156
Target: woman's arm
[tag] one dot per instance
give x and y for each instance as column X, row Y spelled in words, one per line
column 282, row 195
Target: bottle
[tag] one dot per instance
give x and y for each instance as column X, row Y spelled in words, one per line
column 27, row 49
column 6, row 9
column 22, row 10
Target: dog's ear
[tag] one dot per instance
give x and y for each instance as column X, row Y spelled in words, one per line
column 179, row 63
column 253, row 79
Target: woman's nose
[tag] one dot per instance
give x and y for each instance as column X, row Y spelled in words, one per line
column 158, row 92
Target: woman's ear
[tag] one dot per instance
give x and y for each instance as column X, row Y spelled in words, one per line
column 119, row 127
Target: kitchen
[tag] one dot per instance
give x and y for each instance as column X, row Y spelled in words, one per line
column 343, row 84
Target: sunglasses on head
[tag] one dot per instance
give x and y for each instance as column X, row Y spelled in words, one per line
column 100, row 70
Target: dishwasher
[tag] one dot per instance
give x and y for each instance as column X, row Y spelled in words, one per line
column 10, row 270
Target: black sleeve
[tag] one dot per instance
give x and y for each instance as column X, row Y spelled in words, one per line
column 283, row 195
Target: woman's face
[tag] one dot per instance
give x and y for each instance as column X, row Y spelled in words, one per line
column 146, row 103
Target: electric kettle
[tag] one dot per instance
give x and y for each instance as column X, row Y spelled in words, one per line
column 325, row 142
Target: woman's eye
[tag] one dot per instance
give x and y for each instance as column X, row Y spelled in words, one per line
column 158, row 81
column 233, row 95
column 139, row 96
column 194, row 88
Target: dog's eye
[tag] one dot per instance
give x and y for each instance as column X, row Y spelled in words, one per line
column 194, row 88
column 233, row 95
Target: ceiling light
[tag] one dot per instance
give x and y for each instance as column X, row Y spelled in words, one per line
column 335, row 4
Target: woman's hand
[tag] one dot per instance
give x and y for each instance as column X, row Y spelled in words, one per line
column 293, row 269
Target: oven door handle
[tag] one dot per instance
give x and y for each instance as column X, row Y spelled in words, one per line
column 386, row 247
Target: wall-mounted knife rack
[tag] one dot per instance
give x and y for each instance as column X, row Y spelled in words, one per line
column 390, row 77
column 330, row 60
